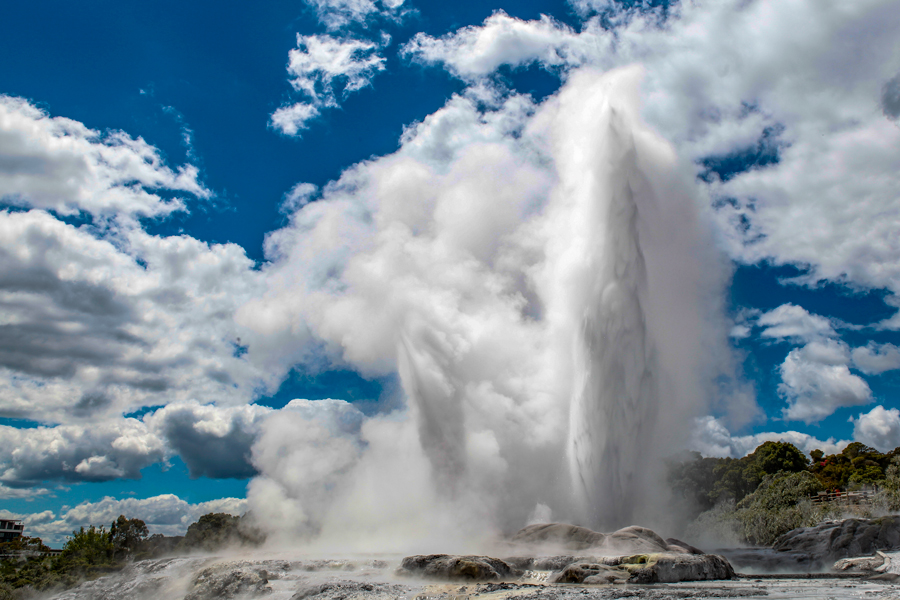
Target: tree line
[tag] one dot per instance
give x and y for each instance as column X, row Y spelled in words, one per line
column 756, row 498
column 91, row 552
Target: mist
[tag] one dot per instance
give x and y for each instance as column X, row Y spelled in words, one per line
column 540, row 279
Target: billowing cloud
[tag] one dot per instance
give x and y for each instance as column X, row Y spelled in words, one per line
column 323, row 67
column 794, row 323
column 102, row 320
column 816, row 381
column 103, row 451
column 87, row 326
column 303, row 452
column 874, row 359
column 712, row 438
column 477, row 51
column 59, row 164
column 212, row 441
column 878, row 428
column 753, row 127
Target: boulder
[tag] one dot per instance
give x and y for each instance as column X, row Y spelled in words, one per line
column 628, row 540
column 648, row 568
column 448, row 567
column 860, row 563
column 227, row 581
column 828, row 542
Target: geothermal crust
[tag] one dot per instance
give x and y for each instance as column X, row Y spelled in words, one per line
column 629, row 555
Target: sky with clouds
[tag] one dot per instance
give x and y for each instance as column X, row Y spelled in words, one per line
column 295, row 256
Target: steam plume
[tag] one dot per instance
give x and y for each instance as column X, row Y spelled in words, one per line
column 540, row 280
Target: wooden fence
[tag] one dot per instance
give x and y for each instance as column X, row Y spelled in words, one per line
column 858, row 498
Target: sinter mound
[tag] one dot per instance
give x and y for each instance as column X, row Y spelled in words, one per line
column 630, row 555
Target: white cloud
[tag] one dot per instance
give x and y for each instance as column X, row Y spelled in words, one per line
column 166, row 514
column 794, row 323
column 816, row 381
column 874, row 359
column 712, row 438
column 303, row 452
column 99, row 452
column 878, row 428
column 478, row 51
column 213, row 441
column 103, row 326
column 58, row 164
column 468, row 262
column 323, row 67
column 727, row 79
column 336, row 14
column 293, row 118
column 12, row 493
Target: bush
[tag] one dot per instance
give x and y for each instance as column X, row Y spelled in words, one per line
column 780, row 503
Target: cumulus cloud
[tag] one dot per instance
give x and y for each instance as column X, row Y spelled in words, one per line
column 213, row 441
column 712, row 438
column 59, row 164
column 166, row 514
column 816, row 381
column 88, row 322
column 12, row 493
column 794, row 323
column 874, row 359
column 477, row 51
column 323, row 67
column 878, row 428
column 103, row 451
column 89, row 312
column 723, row 107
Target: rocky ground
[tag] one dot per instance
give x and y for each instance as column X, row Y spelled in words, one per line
column 631, row 563
column 373, row 579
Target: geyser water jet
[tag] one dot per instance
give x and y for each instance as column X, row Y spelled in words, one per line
column 540, row 279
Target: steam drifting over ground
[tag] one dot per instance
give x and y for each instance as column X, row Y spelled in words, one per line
column 541, row 279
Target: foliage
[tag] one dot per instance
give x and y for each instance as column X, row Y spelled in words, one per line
column 94, row 551
column 218, row 530
column 707, row 482
column 855, row 466
column 776, row 457
column 888, row 496
column 779, row 504
column 127, row 536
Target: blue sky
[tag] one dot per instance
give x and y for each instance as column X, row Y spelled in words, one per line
column 201, row 215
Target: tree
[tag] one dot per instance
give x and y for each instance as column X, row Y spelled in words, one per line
column 126, row 536
column 88, row 547
column 774, row 457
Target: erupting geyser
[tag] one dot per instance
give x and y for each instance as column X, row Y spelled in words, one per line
column 540, row 280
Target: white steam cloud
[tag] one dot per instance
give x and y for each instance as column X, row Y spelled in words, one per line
column 541, row 280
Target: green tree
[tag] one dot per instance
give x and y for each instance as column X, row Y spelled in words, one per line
column 774, row 457
column 127, row 536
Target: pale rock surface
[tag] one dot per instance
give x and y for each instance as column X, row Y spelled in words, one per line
column 648, row 568
column 447, row 567
column 828, row 542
